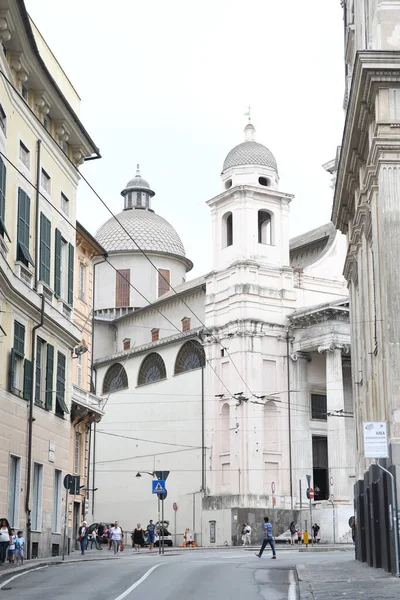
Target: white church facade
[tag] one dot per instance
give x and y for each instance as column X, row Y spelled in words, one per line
column 237, row 382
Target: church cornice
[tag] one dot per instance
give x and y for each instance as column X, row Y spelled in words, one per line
column 243, row 191
column 321, row 314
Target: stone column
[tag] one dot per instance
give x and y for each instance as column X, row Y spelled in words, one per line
column 337, row 447
column 301, row 434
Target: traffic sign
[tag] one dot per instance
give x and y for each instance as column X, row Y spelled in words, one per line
column 158, row 486
column 161, row 474
column 375, row 439
column 311, row 494
column 175, row 506
column 273, row 487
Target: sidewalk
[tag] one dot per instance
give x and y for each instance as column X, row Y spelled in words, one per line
column 331, row 579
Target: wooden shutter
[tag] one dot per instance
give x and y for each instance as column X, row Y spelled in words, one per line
column 24, row 219
column 163, row 281
column 11, row 369
column 70, row 274
column 57, row 264
column 49, row 377
column 45, row 248
column 3, row 230
column 122, row 288
column 27, row 391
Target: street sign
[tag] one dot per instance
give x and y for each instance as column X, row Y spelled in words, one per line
column 175, row 506
column 311, row 494
column 375, row 439
column 163, row 496
column 274, row 501
column 72, row 483
column 273, row 487
column 158, row 486
column 161, row 474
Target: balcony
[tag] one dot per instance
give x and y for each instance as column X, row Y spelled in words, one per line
column 85, row 405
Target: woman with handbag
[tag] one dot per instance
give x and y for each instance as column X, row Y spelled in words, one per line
column 5, row 534
column 82, row 535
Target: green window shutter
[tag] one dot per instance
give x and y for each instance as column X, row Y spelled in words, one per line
column 19, row 338
column 45, row 248
column 11, row 370
column 27, row 392
column 3, row 230
column 70, row 274
column 49, row 376
column 24, row 219
column 57, row 264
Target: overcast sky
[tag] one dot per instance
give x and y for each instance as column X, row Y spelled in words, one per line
column 166, row 85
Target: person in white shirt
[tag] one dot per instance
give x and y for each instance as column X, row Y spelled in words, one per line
column 116, row 536
column 4, row 539
column 247, row 535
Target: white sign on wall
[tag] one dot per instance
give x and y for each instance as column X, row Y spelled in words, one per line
column 375, row 439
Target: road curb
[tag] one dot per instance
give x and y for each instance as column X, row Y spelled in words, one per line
column 48, row 563
column 304, row 587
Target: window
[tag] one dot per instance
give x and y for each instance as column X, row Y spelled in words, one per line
column 152, row 369
column 155, row 335
column 46, row 123
column 227, row 230
column 264, row 227
column 225, row 428
column 115, row 379
column 49, row 377
column 191, row 356
column 320, row 467
column 37, row 497
column 185, row 324
column 228, row 184
column 163, row 281
column 24, row 93
column 63, row 269
column 23, row 230
column 3, row 120
column 79, row 370
column 45, row 181
column 64, row 204
column 226, row 473
column 14, row 490
column 24, row 155
column 127, row 343
column 3, row 230
column 45, row 249
column 77, row 447
column 122, row 288
column 319, row 407
column 82, row 278
column 56, row 524
column 40, row 379
column 17, row 359
column 61, row 406
column 264, row 181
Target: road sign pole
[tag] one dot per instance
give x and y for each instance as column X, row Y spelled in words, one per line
column 162, row 519
column 159, row 525
column 65, row 523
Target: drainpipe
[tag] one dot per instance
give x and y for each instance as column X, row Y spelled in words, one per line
column 30, row 433
column 37, row 240
column 289, row 416
column 203, row 450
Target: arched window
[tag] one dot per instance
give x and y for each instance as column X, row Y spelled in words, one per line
column 265, row 227
column 227, row 230
column 152, row 369
column 115, row 379
column 225, row 431
column 264, row 181
column 228, row 184
column 190, row 356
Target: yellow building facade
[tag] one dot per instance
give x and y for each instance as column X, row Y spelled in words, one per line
column 42, row 142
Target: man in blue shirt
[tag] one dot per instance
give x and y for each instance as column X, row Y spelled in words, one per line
column 268, row 538
column 151, row 534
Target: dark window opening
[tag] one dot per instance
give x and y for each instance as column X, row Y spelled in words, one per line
column 264, row 181
column 318, row 407
column 320, row 467
column 35, row 549
column 228, row 184
column 115, row 379
column 152, row 369
column 55, row 549
column 264, row 227
column 227, row 230
column 191, row 356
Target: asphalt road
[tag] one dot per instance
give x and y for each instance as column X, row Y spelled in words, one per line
column 198, row 575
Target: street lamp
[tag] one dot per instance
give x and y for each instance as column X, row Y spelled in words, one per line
column 139, row 473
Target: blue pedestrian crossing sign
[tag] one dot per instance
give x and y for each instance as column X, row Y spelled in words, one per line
column 158, row 486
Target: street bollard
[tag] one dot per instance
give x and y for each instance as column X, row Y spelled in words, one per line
column 305, row 538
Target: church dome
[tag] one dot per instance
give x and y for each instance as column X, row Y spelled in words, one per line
column 151, row 232
column 249, row 152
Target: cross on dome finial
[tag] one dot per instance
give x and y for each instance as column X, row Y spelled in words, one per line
column 138, row 170
column 248, row 113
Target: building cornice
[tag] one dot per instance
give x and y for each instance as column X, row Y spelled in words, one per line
column 243, row 191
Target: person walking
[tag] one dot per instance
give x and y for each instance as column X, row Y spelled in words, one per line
column 108, row 534
column 116, row 537
column 246, row 535
column 268, row 539
column 94, row 540
column 138, row 537
column 5, row 533
column 293, row 533
column 151, row 532
column 100, row 534
column 19, row 548
column 315, row 529
column 82, row 536
column 11, row 547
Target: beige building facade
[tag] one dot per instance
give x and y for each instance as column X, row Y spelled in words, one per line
column 42, row 142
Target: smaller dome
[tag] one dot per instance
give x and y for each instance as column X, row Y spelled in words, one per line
column 137, row 183
column 249, row 152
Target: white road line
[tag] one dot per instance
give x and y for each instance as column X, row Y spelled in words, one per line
column 138, row 582
column 19, row 575
column 292, row 592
